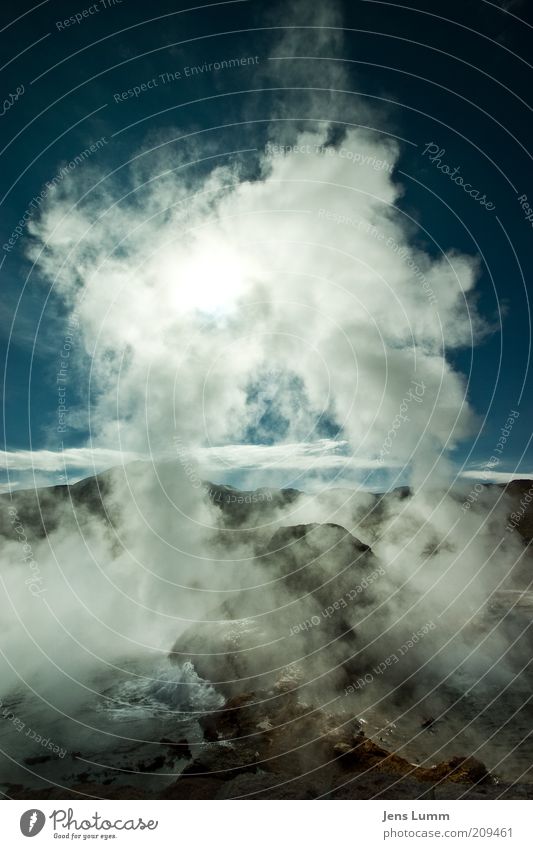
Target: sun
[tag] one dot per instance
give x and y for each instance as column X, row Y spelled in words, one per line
column 208, row 279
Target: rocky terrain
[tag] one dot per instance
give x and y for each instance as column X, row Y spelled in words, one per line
column 271, row 745
column 283, row 658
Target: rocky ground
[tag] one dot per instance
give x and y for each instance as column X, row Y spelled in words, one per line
column 270, row 739
column 270, row 745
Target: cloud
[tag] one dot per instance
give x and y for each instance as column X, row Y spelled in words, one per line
column 304, row 275
column 484, row 474
column 321, row 456
column 324, row 455
column 71, row 458
column 7, row 487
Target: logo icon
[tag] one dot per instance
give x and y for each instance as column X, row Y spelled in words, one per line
column 32, row 822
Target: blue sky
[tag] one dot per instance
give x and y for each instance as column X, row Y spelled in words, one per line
column 452, row 75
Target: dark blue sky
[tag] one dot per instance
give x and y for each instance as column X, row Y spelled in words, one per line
column 455, row 74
